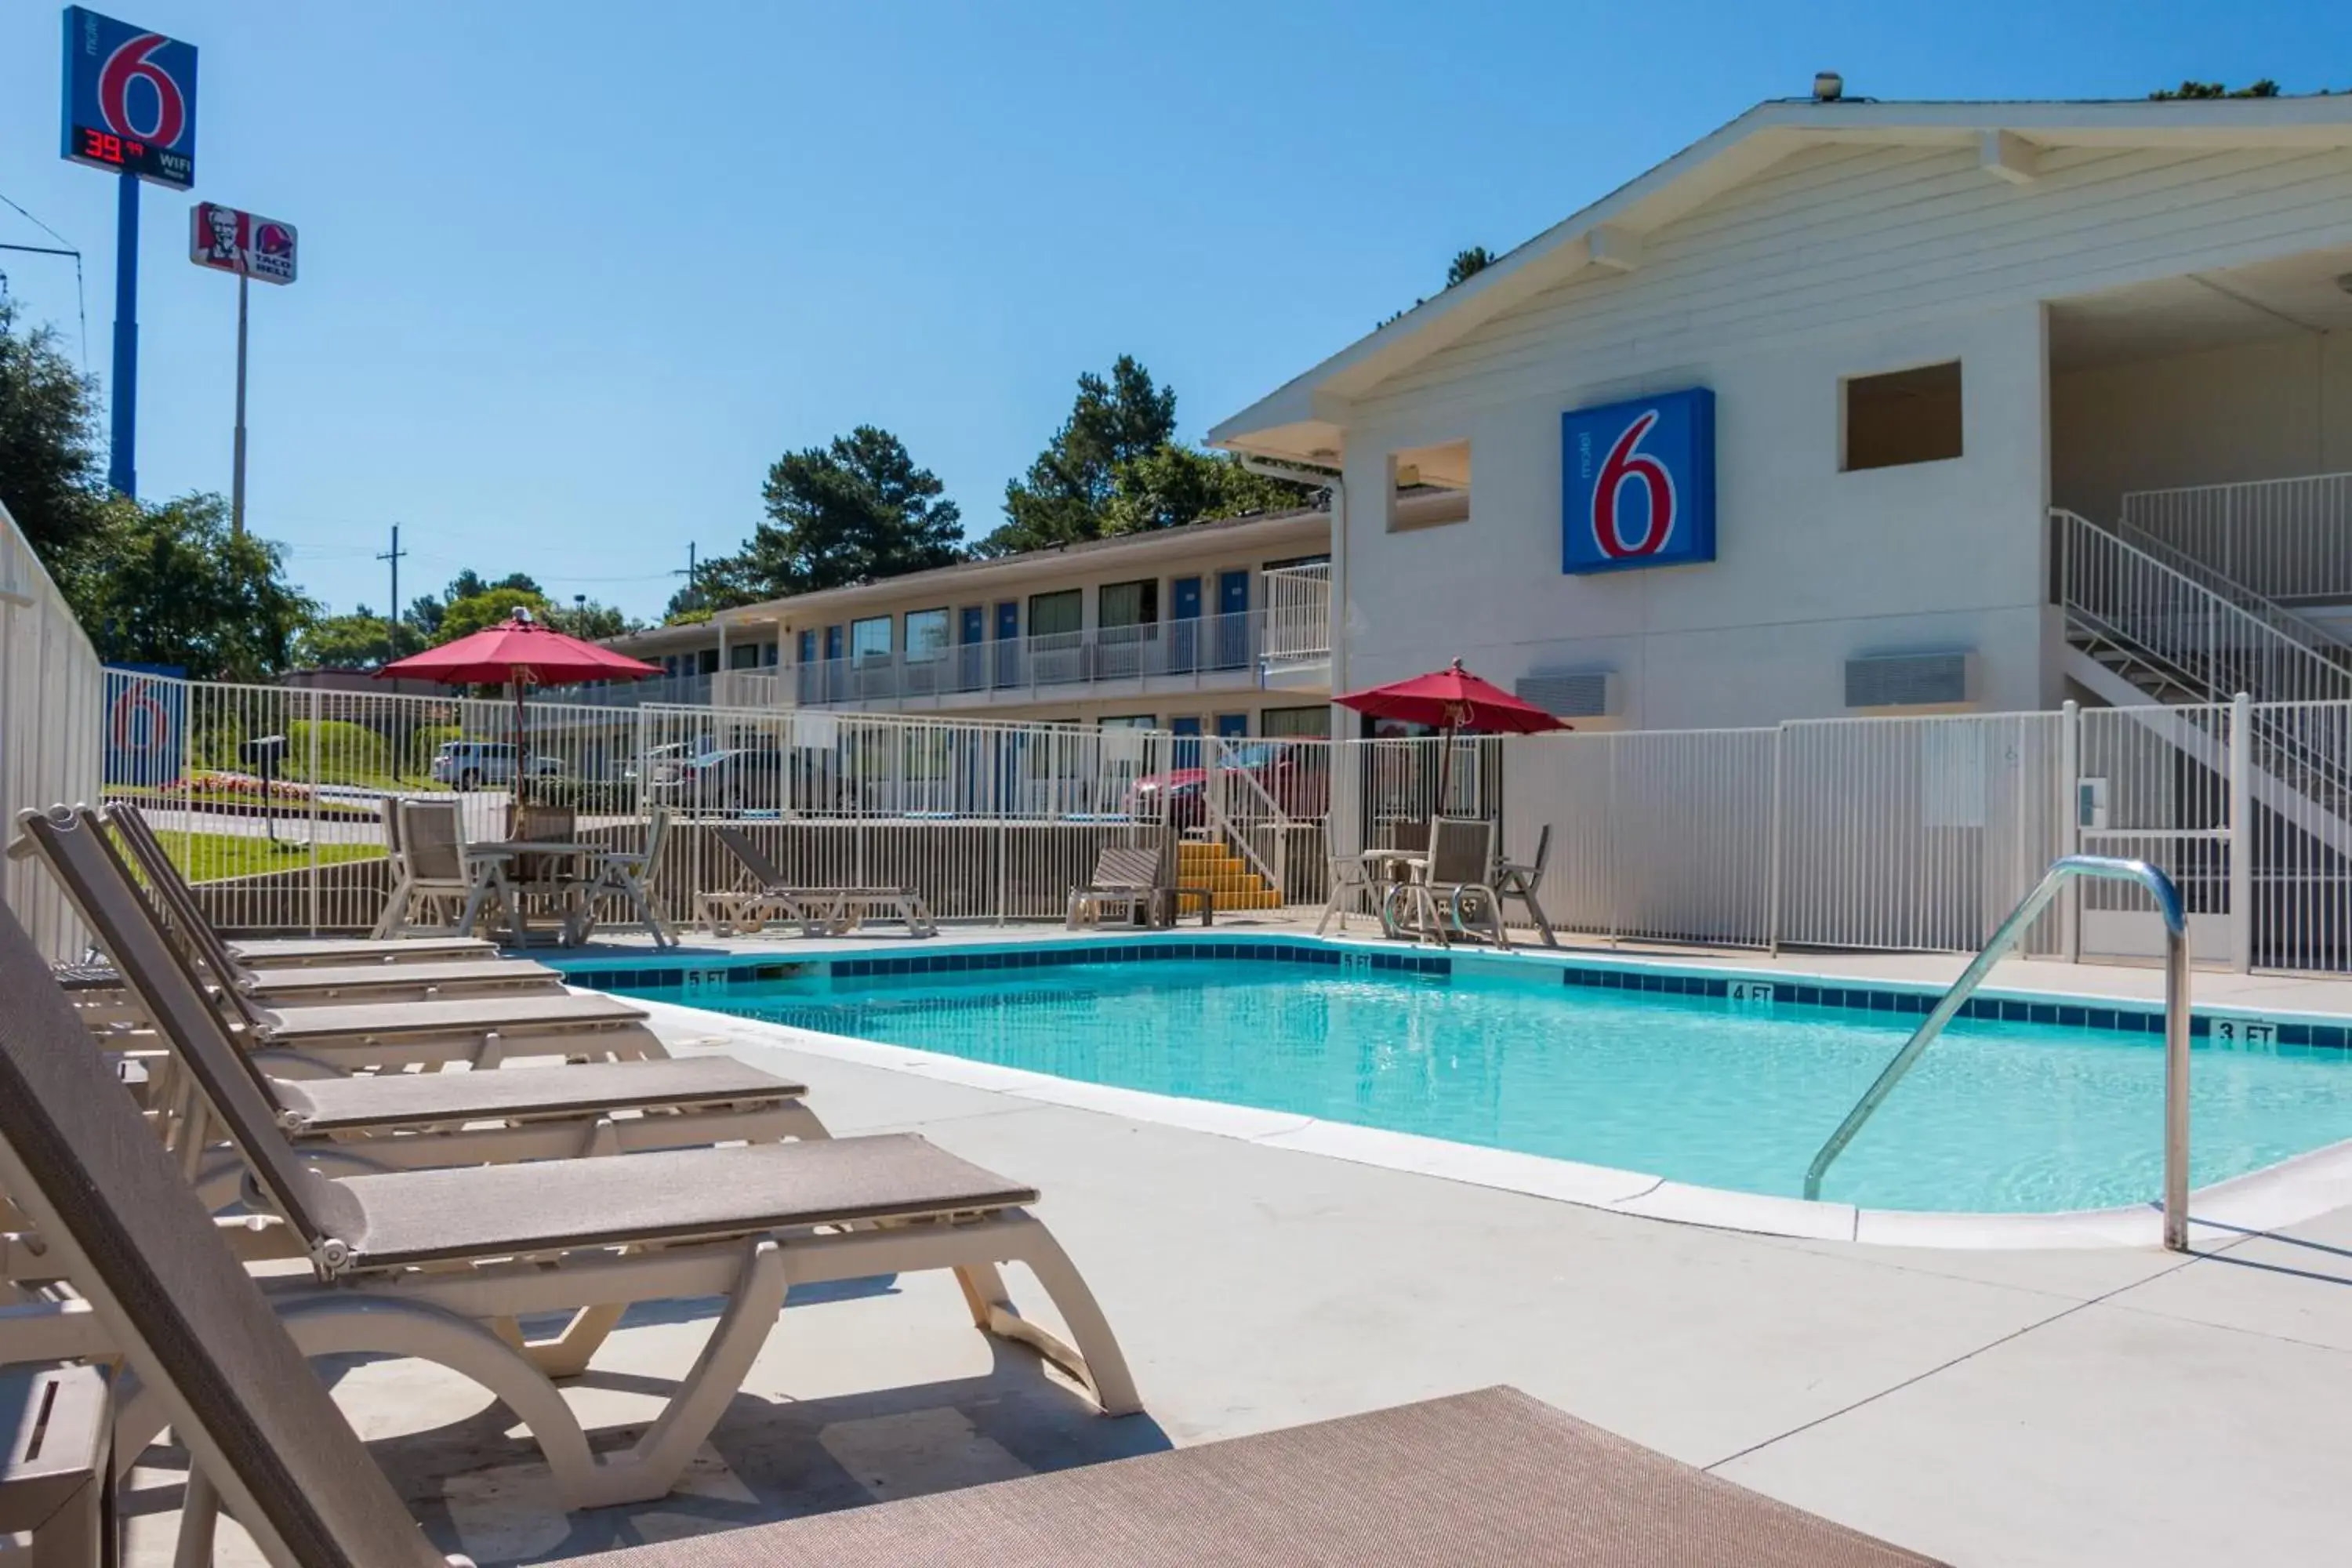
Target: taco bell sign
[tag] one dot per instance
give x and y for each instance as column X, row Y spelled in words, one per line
column 1639, row 483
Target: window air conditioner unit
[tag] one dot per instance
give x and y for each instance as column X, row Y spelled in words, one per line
column 1911, row 680
column 1585, row 694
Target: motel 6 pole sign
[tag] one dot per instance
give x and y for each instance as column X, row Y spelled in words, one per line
column 130, row 106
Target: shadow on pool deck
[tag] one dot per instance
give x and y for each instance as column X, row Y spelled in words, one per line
column 479, row 1487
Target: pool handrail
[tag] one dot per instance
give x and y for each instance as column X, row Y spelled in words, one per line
column 2063, row 870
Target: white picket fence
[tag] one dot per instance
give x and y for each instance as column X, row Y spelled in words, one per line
column 51, row 707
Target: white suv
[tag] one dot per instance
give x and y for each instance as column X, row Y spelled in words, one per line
column 470, row 764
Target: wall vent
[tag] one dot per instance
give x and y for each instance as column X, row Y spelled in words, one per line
column 1586, row 694
column 1910, row 680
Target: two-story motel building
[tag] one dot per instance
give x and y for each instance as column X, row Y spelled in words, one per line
column 1216, row 628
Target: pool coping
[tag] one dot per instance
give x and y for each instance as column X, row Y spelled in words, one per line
column 2299, row 1188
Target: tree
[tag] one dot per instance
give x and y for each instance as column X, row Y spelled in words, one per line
column 1065, row 496
column 357, row 641
column 855, row 511
column 172, row 584
column 49, row 440
column 2265, row 87
column 425, row 613
column 471, row 613
column 1469, row 264
column 1174, row 485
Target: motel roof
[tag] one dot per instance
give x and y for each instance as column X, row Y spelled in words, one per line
column 1304, row 420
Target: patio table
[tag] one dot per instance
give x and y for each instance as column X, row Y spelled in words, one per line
column 567, row 871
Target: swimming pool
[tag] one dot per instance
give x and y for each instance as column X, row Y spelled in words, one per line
column 1698, row 1084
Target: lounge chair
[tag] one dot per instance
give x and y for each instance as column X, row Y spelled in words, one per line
column 409, row 1121
column 480, row 1030
column 761, row 894
column 423, row 1263
column 56, row 1475
column 1133, row 878
column 459, row 976
column 1523, row 881
column 1487, row 1477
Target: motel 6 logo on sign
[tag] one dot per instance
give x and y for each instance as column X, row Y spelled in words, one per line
column 1639, row 483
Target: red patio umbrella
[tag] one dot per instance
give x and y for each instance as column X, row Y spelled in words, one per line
column 519, row 653
column 1453, row 700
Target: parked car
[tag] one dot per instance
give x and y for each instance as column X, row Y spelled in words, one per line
column 1294, row 777
column 751, row 778
column 472, row 764
column 659, row 765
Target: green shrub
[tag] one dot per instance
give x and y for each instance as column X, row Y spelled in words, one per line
column 348, row 753
column 423, row 742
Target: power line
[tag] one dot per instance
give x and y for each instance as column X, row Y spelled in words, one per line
column 81, row 309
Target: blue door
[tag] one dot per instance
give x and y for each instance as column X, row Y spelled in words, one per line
column 1184, row 626
column 808, row 679
column 1187, row 731
column 1232, row 726
column 971, row 631
column 1232, row 619
column 1008, row 643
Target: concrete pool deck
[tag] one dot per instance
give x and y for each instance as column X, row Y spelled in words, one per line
column 2050, row 1407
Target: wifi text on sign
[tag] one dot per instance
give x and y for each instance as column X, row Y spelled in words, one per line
column 1639, row 483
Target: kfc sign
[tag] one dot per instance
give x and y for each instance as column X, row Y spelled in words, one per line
column 233, row 241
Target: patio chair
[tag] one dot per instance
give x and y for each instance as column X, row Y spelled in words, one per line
column 406, row 1121
column 1522, row 882
column 454, row 977
column 57, row 1489
column 387, row 811
column 1134, row 878
column 481, row 1031
column 1419, row 1484
column 1452, row 890
column 627, row 876
column 449, row 879
column 423, row 1263
column 760, row 894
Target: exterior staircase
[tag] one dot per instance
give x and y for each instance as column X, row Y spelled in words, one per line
column 1211, row 863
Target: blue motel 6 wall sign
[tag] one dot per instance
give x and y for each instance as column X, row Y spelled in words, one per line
column 1639, row 483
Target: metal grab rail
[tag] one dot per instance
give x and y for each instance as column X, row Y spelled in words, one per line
column 2176, row 1025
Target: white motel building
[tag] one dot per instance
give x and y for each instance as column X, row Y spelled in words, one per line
column 1859, row 407
column 1851, row 408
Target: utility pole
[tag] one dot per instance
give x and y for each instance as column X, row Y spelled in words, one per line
column 392, row 616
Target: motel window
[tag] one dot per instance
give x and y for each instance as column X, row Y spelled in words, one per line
column 743, row 655
column 1904, row 417
column 1429, row 486
column 1127, row 604
column 927, row 636
column 1128, row 721
column 1051, row 615
column 1314, row 721
column 869, row 641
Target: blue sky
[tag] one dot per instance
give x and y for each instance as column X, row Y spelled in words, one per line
column 574, row 274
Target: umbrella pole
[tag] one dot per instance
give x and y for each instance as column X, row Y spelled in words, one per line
column 1445, row 772
column 522, row 761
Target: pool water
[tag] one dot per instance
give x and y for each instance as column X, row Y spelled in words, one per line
column 1996, row 1117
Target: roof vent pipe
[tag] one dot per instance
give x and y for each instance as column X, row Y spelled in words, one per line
column 1828, row 87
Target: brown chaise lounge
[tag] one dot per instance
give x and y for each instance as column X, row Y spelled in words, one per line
column 442, row 1264
column 1482, row 1479
column 384, row 1120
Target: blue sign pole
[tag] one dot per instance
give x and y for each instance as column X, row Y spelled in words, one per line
column 123, row 455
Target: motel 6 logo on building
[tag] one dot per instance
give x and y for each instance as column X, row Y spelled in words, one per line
column 1639, row 483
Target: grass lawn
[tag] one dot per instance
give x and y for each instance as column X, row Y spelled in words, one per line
column 216, row 857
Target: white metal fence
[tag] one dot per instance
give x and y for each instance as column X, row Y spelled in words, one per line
column 1852, row 834
column 53, row 720
column 2285, row 539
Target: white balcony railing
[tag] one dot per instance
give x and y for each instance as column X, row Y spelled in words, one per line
column 2289, row 540
column 1209, row 651
column 1299, row 614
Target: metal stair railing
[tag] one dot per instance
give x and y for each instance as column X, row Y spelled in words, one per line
column 2012, row 931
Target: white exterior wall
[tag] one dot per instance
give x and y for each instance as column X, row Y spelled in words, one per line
column 2264, row 410
column 1839, row 261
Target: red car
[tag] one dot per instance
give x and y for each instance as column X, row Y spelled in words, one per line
column 1298, row 779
